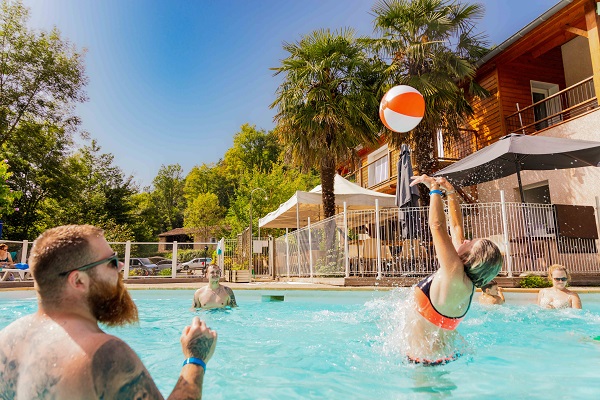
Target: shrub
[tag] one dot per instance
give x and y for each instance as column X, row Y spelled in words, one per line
column 165, row 272
column 533, row 281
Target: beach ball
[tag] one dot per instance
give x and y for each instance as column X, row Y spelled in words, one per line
column 402, row 108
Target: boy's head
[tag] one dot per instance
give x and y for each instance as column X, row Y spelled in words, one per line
column 490, row 286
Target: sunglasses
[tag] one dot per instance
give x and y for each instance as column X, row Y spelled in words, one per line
column 560, row 279
column 113, row 261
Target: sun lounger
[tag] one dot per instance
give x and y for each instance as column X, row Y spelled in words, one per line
column 17, row 274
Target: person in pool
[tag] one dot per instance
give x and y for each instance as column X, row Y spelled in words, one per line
column 214, row 295
column 60, row 352
column 491, row 293
column 443, row 299
column 558, row 296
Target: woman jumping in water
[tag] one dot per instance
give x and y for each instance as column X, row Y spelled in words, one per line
column 443, row 299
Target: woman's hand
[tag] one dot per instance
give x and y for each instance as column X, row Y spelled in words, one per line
column 426, row 180
column 444, row 184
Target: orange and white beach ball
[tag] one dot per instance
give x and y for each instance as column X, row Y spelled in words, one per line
column 402, row 108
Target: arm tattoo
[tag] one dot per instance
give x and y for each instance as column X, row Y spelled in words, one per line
column 119, row 373
column 232, row 301
column 9, row 375
column 200, row 346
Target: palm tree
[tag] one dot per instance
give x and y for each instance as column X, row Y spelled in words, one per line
column 326, row 105
column 431, row 46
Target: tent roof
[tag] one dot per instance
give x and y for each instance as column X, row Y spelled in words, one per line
column 302, row 205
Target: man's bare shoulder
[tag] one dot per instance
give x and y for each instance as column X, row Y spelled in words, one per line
column 119, row 373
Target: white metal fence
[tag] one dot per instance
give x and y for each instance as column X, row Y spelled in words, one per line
column 396, row 242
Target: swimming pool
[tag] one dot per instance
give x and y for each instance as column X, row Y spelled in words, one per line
column 342, row 345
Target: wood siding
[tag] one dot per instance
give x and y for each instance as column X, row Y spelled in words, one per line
column 487, row 120
column 514, row 79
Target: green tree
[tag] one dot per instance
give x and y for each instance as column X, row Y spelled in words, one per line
column 431, row 46
column 326, row 105
column 146, row 223
column 252, row 150
column 211, row 178
column 7, row 195
column 203, row 215
column 41, row 75
column 168, row 195
column 43, row 172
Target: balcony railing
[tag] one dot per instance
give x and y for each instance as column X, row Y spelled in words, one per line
column 384, row 170
column 568, row 103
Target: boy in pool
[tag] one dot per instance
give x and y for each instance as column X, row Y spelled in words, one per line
column 491, row 294
column 60, row 352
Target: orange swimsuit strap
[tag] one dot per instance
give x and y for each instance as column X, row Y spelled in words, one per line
column 426, row 309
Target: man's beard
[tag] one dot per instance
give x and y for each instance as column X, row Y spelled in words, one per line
column 112, row 305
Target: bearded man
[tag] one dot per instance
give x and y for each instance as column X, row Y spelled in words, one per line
column 60, row 352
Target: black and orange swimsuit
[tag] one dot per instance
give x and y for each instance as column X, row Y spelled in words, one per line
column 428, row 311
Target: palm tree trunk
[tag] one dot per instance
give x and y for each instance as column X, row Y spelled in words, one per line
column 327, row 186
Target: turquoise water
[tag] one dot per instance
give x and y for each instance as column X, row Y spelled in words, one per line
column 344, row 345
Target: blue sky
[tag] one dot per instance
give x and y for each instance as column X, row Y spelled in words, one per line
column 172, row 81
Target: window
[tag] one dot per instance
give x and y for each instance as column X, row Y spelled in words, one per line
column 379, row 170
column 539, row 92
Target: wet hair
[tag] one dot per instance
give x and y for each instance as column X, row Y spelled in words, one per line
column 489, row 285
column 59, row 250
column 558, row 267
column 483, row 262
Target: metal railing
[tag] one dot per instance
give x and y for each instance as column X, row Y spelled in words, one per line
column 383, row 170
column 568, row 103
column 396, row 242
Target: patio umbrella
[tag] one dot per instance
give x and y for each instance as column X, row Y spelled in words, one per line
column 407, row 196
column 516, row 152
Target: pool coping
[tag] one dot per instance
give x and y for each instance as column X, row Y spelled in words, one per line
column 285, row 286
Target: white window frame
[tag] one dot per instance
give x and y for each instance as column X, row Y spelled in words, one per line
column 379, row 168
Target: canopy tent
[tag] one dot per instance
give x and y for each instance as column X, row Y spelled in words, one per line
column 302, row 205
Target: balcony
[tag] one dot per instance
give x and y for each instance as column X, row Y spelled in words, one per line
column 381, row 173
column 568, row 103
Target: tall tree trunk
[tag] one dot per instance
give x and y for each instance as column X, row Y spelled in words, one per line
column 327, row 186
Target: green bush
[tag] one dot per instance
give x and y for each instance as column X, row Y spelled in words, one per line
column 534, row 281
column 165, row 272
column 187, row 255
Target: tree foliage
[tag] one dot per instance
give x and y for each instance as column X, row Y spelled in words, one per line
column 431, row 46
column 41, row 75
column 203, row 215
column 326, row 105
column 168, row 195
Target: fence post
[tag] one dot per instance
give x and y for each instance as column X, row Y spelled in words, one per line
column 287, row 253
column 378, row 240
column 310, row 260
column 505, row 234
column 174, row 260
column 347, row 261
column 598, row 220
column 24, row 250
column 126, row 260
column 272, row 265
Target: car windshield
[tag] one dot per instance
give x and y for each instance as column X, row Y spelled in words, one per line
column 145, row 261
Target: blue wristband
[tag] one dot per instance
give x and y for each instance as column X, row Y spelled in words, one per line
column 194, row 360
column 435, row 191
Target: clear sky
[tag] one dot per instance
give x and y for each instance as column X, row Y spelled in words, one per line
column 172, row 81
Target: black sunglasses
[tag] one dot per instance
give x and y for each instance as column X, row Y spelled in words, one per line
column 560, row 279
column 113, row 260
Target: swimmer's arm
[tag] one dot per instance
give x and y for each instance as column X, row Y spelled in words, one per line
column 118, row 373
column 232, row 301
column 539, row 297
column 575, row 301
column 446, row 253
column 501, row 295
column 456, row 218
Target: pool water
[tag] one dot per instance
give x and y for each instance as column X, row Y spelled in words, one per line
column 344, row 345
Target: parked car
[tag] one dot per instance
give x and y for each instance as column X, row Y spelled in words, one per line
column 197, row 263
column 166, row 263
column 145, row 265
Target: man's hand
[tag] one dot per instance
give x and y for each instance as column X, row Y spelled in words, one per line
column 198, row 340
